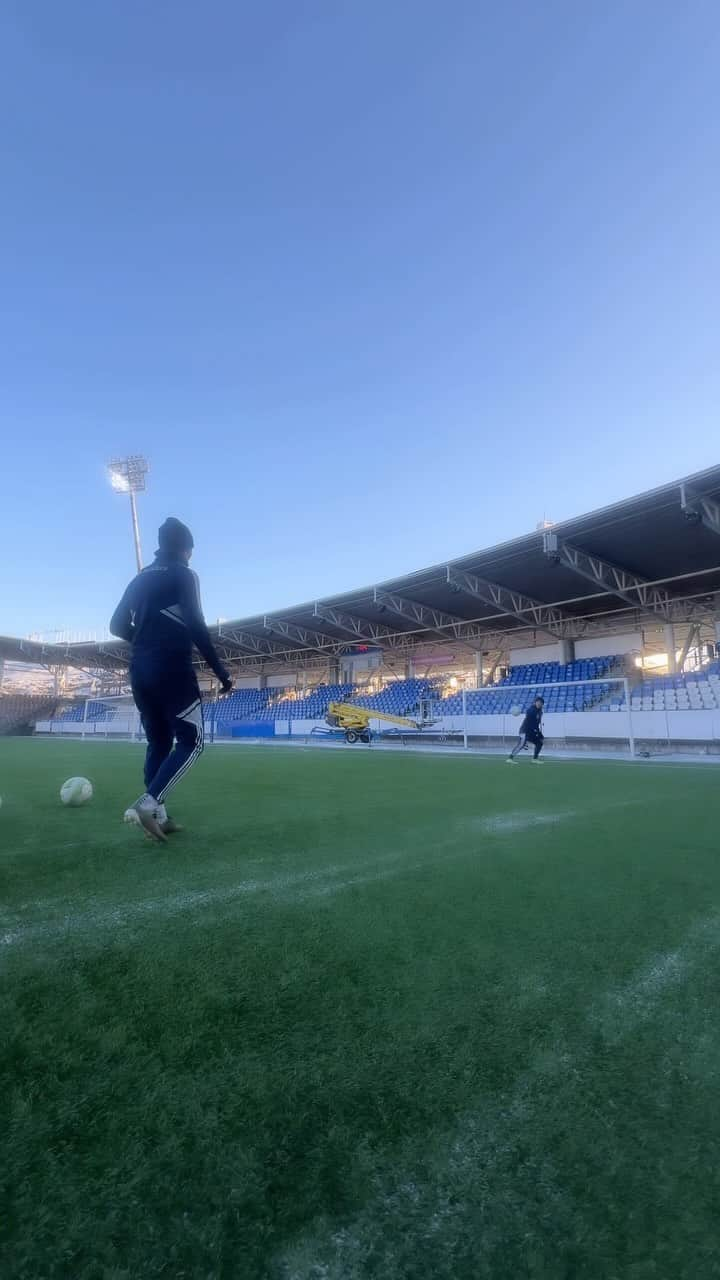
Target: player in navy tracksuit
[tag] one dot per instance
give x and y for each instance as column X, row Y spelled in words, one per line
column 160, row 615
column 531, row 731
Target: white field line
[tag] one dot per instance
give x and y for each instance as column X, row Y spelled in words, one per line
column 295, row 887
column 470, row 1183
column 97, row 916
column 638, row 999
column 290, row 890
column 509, row 823
column 499, row 824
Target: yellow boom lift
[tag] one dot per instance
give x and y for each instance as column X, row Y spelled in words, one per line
column 355, row 721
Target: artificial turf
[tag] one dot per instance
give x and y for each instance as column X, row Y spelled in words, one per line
column 370, row 1015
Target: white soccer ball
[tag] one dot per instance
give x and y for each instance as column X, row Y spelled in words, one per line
column 516, row 710
column 76, row 791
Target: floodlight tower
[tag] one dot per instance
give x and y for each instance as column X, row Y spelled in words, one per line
column 127, row 475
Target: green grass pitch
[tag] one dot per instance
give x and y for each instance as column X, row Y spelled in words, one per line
column 370, row 1015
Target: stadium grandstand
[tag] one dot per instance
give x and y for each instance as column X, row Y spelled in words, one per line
column 614, row 615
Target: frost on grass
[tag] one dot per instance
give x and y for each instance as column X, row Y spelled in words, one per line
column 96, row 917
column 295, row 889
column 495, row 1180
column 456, row 1211
column 501, row 824
column 639, row 999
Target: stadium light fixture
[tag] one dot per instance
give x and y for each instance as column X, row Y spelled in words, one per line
column 127, row 475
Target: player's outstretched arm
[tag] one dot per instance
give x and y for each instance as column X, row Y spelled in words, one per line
column 197, row 626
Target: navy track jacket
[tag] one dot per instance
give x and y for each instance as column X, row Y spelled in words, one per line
column 160, row 615
column 533, row 721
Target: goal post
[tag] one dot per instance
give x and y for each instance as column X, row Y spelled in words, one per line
column 110, row 718
column 114, row 717
column 579, row 714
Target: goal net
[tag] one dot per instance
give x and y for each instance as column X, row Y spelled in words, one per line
column 95, row 718
column 580, row 714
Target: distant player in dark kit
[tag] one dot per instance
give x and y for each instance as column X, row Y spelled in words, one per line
column 530, row 732
column 161, row 617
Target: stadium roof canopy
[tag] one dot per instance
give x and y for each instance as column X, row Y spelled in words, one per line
column 651, row 559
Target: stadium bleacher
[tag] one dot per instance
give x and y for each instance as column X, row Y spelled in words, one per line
column 399, row 698
column 311, row 707
column 405, row 697
column 499, row 699
column 546, row 672
column 696, row 691
column 261, row 705
column 96, row 711
column 589, row 687
column 241, row 704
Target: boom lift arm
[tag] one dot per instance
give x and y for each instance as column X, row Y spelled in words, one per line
column 356, row 720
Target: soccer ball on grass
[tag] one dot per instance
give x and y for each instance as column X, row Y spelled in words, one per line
column 76, row 791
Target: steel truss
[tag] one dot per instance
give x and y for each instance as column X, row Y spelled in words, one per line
column 304, row 636
column 445, row 625
column 361, row 629
column 628, row 586
column 542, row 617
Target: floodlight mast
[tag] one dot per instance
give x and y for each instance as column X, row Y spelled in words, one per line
column 127, row 475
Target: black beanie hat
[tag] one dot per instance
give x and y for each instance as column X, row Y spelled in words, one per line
column 174, row 536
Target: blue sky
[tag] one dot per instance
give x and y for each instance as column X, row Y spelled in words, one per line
column 370, row 283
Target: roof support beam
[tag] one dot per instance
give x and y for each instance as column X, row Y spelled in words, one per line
column 446, row 625
column 690, row 640
column 117, row 655
column 304, row 636
column 532, row 612
column 621, row 582
column 247, row 641
column 614, row 579
column 361, row 629
column 698, row 509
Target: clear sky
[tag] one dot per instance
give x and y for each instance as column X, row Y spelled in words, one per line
column 370, row 282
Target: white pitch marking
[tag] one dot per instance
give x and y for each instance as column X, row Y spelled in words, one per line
column 508, row 823
column 282, row 888
column 285, row 888
column 171, row 905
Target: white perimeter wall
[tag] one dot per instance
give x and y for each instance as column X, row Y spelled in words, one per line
column 605, row 645
column 673, row 726
column 599, row 647
column 274, row 682
column 539, row 653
